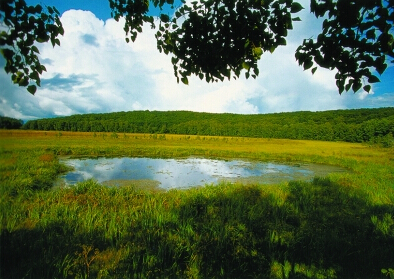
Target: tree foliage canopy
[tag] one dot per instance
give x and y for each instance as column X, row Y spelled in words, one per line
column 218, row 39
column 357, row 36
column 10, row 123
column 23, row 26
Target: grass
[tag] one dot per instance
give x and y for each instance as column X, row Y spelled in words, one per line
column 341, row 226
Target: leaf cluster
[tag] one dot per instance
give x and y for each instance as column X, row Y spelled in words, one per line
column 24, row 26
column 134, row 13
column 356, row 41
column 219, row 39
column 216, row 39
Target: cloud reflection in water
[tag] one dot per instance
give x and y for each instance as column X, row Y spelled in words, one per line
column 184, row 173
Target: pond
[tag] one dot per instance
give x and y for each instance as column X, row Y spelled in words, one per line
column 185, row 173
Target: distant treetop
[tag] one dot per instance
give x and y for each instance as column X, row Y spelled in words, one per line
column 10, row 123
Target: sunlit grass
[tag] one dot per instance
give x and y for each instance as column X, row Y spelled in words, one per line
column 336, row 227
column 81, row 143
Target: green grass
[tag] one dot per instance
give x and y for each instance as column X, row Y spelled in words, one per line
column 341, row 226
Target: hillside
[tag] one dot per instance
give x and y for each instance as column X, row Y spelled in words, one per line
column 359, row 125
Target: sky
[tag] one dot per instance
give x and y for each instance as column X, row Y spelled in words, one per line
column 96, row 71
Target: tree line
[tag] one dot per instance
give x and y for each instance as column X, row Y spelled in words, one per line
column 10, row 123
column 359, row 125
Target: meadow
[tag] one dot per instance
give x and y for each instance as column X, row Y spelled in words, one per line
column 340, row 226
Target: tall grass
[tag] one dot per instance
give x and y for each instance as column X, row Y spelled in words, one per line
column 340, row 226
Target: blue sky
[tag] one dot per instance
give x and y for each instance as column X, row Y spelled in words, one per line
column 96, row 71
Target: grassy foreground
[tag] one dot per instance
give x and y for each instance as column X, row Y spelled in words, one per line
column 341, row 226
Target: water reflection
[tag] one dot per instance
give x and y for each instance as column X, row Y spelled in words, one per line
column 184, row 173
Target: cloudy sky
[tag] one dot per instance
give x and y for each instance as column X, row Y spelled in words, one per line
column 96, row 71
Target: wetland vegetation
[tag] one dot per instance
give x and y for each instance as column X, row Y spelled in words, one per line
column 338, row 226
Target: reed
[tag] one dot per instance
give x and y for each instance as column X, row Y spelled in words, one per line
column 340, row 226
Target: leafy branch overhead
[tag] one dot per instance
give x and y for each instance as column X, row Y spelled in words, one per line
column 21, row 27
column 357, row 37
column 215, row 39
column 219, row 39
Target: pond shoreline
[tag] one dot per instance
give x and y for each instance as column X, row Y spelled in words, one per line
column 186, row 172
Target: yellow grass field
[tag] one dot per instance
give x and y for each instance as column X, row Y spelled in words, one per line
column 125, row 144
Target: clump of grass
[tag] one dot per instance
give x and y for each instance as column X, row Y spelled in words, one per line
column 316, row 229
column 28, row 171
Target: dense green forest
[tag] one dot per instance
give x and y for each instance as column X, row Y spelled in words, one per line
column 359, row 125
column 10, row 123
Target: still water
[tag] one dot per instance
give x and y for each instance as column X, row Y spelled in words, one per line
column 185, row 173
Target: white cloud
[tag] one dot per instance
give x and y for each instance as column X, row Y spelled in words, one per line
column 95, row 70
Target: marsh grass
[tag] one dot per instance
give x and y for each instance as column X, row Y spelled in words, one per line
column 341, row 226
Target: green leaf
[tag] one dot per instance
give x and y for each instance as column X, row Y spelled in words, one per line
column 282, row 41
column 246, row 45
column 164, row 18
column 34, row 75
column 308, row 64
column 314, row 70
column 257, row 52
column 24, row 82
column 44, row 16
column 356, row 86
column 38, row 9
column 61, row 30
column 56, row 10
column 296, row 7
column 7, row 53
column 35, row 49
column 381, row 67
column 347, row 86
column 32, row 89
column 367, row 88
column 185, row 80
column 373, row 79
column 370, row 34
column 296, row 18
column 246, row 66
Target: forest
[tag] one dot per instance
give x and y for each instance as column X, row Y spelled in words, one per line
column 10, row 123
column 358, row 125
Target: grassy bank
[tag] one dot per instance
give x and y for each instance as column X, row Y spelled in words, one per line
column 341, row 226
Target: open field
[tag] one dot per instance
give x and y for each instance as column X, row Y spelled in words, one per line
column 341, row 226
column 121, row 144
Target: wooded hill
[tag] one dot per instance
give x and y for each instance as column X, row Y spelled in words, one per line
column 10, row 123
column 359, row 125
